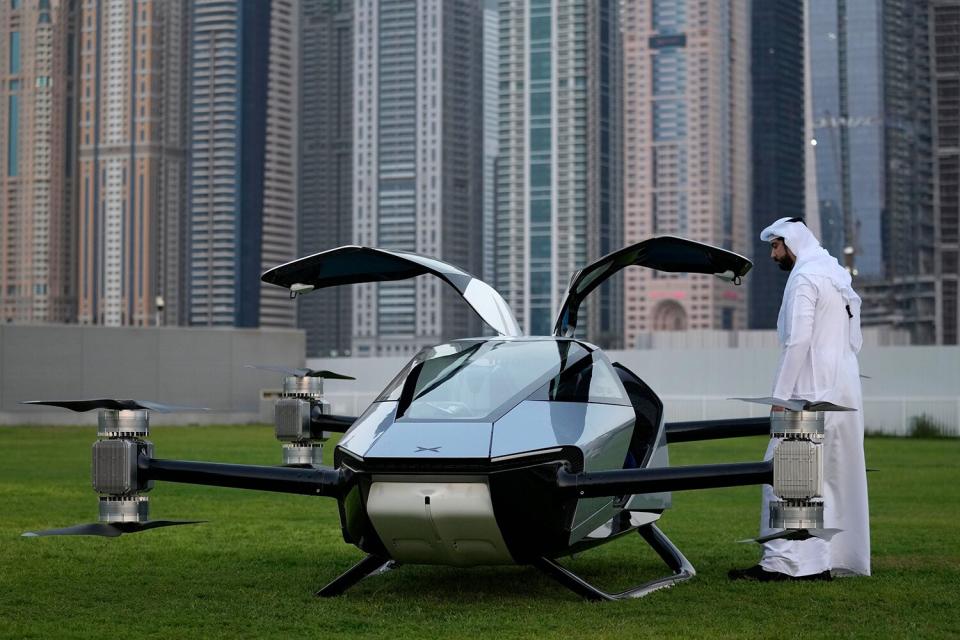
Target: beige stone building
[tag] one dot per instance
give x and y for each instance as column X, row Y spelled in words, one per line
column 686, row 154
column 36, row 130
column 131, row 125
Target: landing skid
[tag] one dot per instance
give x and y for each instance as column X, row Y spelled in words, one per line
column 367, row 567
column 682, row 570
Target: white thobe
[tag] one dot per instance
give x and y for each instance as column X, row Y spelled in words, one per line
column 818, row 363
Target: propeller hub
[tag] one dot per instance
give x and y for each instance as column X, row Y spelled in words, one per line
column 124, row 509
column 799, row 514
column 303, row 387
column 303, row 454
column 121, row 423
column 805, row 425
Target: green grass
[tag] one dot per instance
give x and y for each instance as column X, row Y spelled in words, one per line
column 250, row 572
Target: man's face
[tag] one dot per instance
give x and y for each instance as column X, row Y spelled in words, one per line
column 781, row 254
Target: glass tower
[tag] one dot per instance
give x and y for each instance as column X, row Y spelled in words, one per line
column 558, row 172
column 870, row 83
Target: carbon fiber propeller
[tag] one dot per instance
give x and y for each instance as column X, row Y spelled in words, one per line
column 107, row 530
column 302, row 373
column 797, row 404
column 110, row 403
column 795, row 534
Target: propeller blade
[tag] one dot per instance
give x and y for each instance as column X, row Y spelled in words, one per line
column 107, row 530
column 795, row 534
column 796, row 404
column 284, row 370
column 302, row 373
column 329, row 375
column 109, row 403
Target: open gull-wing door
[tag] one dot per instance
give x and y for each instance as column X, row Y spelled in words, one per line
column 353, row 264
column 664, row 253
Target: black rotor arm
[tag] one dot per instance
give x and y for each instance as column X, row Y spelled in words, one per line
column 620, row 482
column 334, row 424
column 314, row 482
column 716, row 429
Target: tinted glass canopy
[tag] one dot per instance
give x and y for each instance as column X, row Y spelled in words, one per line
column 473, row 379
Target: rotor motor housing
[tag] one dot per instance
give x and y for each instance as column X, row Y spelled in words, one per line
column 797, row 469
column 300, row 401
column 115, row 470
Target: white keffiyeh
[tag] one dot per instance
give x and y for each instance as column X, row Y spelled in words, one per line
column 812, row 259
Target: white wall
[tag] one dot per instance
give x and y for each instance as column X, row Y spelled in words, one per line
column 695, row 383
column 176, row 365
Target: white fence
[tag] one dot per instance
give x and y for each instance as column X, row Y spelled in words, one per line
column 887, row 415
column 902, row 382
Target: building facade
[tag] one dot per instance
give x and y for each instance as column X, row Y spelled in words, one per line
column 870, row 81
column 777, row 143
column 491, row 118
column 558, row 189
column 37, row 129
column 326, row 164
column 241, row 199
column 945, row 71
column 418, row 163
column 131, row 161
column 281, row 160
column 686, row 168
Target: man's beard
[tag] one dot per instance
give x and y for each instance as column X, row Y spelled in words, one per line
column 786, row 263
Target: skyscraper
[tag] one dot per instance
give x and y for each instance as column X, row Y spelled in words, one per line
column 36, row 162
column 418, row 174
column 686, row 81
column 242, row 186
column 945, row 62
column 281, row 159
column 326, row 163
column 558, row 169
column 871, row 124
column 131, row 160
column 777, row 142
column 491, row 113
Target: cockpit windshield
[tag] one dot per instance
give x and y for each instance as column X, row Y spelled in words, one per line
column 467, row 379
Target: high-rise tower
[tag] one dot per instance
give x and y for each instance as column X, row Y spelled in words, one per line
column 242, row 191
column 558, row 171
column 870, row 78
column 131, row 160
column 687, row 87
column 418, row 174
column 945, row 68
column 326, row 164
column 36, row 162
column 777, row 142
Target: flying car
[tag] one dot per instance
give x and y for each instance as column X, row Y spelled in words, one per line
column 499, row 450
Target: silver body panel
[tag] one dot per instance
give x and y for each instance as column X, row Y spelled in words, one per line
column 372, row 424
column 432, row 439
column 447, row 523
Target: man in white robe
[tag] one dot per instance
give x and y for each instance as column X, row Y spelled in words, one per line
column 819, row 334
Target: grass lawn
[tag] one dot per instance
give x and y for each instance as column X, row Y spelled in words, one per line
column 250, row 572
